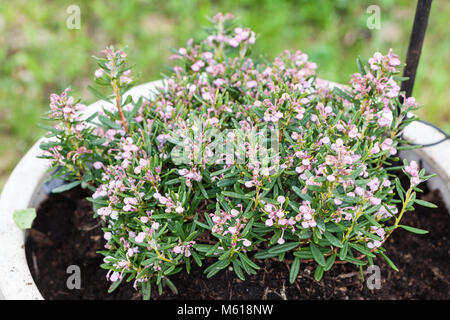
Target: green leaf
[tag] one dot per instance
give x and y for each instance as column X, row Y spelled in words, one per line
column 389, row 261
column 317, row 255
column 399, row 188
column 360, row 66
column 371, row 219
column 425, row 203
column 361, row 249
column 202, row 189
column 333, row 240
column 97, row 93
column 330, row 262
column 343, row 251
column 295, row 268
column 355, row 261
column 342, row 94
column 318, row 274
column 114, row 286
column 216, row 267
column 24, row 218
column 171, row 285
column 303, row 253
column 238, row 270
column 265, row 254
column 247, row 228
column 247, row 260
column 66, row 187
column 108, row 122
column 235, row 195
column 303, row 196
column 202, row 225
column 414, row 230
column 283, row 247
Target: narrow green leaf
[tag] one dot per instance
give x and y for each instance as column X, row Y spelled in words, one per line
column 425, row 203
column 238, row 270
column 343, row 251
column 414, row 230
column 283, row 247
column 303, row 196
column 330, row 262
column 361, row 249
column 235, row 195
column 247, row 260
column 295, row 268
column 97, row 93
column 318, row 274
column 66, row 187
column 108, row 122
column 317, row 254
column 333, row 240
column 389, row 261
column 355, row 261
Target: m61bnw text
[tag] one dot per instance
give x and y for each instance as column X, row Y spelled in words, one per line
column 247, row 309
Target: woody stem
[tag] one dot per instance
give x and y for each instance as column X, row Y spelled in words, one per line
column 117, row 94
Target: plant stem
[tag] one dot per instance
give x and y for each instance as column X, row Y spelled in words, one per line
column 117, row 94
column 161, row 256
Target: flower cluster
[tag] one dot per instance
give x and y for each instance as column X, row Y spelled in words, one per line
column 236, row 160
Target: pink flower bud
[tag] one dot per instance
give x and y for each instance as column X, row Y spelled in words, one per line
column 281, row 199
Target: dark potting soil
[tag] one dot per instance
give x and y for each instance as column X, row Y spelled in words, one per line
column 65, row 233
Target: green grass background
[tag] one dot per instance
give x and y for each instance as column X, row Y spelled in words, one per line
column 40, row 55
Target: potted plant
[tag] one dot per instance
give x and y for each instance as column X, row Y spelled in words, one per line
column 233, row 161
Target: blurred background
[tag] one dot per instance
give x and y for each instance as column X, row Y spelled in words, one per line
column 39, row 54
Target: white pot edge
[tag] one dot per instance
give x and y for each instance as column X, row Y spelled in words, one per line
column 22, row 191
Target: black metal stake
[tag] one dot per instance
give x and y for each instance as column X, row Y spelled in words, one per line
column 415, row 44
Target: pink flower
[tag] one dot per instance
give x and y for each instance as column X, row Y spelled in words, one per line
column 98, row 73
column 144, row 219
column 376, row 148
column 374, row 184
column 413, row 170
column 247, row 243
column 124, row 77
column 375, row 201
column 384, row 122
column 140, row 237
column 232, row 230
column 234, row 212
column 177, row 249
column 155, row 225
column 197, row 65
column 359, row 191
column 114, row 277
column 98, row 165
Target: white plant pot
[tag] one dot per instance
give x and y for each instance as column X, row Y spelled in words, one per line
column 24, row 190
